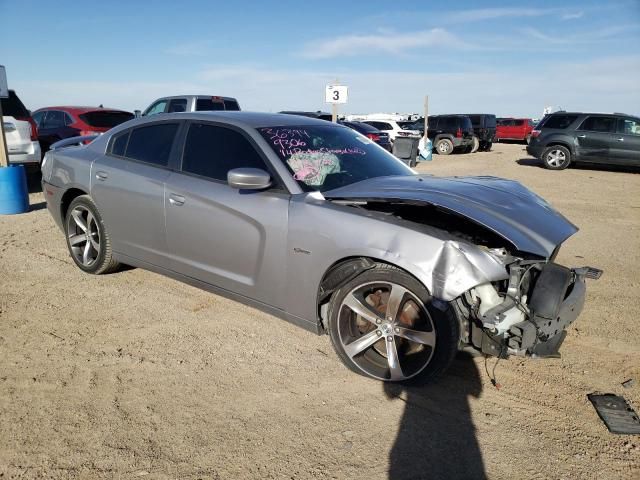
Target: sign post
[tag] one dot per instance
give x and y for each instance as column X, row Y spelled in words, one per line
column 426, row 116
column 4, row 93
column 336, row 94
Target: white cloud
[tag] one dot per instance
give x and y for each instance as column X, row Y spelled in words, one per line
column 480, row 14
column 573, row 15
column 596, row 85
column 381, row 42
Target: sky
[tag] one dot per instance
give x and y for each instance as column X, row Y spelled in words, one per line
column 508, row 58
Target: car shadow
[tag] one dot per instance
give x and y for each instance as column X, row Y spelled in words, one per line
column 33, row 182
column 37, row 206
column 534, row 162
column 436, row 438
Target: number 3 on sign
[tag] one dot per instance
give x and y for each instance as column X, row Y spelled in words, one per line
column 336, row 94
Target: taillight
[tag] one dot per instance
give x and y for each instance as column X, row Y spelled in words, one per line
column 34, row 127
column 535, row 133
column 373, row 136
column 459, row 133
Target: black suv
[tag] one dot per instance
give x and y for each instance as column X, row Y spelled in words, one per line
column 565, row 137
column 448, row 132
column 484, row 129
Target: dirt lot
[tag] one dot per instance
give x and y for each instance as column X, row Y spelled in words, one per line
column 135, row 375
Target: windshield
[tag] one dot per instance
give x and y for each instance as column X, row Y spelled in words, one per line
column 323, row 158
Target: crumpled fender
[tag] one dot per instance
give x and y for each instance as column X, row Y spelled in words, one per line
column 460, row 267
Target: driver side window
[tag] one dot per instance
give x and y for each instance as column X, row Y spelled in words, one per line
column 211, row 151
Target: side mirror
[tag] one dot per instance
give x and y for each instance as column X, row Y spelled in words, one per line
column 248, row 179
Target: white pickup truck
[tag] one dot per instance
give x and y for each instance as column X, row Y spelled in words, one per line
column 21, row 133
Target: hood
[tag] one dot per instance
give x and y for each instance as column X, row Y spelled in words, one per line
column 503, row 206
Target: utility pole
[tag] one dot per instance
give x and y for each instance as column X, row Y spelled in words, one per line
column 426, row 116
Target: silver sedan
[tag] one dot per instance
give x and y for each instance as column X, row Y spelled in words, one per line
column 316, row 224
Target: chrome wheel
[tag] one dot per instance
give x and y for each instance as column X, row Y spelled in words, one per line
column 556, row 158
column 386, row 331
column 444, row 147
column 83, row 235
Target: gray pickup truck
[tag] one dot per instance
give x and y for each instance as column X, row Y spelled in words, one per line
column 191, row 103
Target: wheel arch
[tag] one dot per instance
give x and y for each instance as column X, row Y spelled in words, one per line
column 68, row 197
column 561, row 143
column 345, row 270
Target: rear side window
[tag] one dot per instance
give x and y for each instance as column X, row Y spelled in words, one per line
column 152, row 144
column 465, row 123
column 599, row 124
column 54, row 119
column 629, row 126
column 119, row 144
column 476, row 120
column 177, row 105
column 13, row 107
column 490, row 121
column 38, row 117
column 208, row 104
column 105, row 118
column 67, row 119
column 518, row 123
column 559, row 121
column 231, row 105
column 211, row 151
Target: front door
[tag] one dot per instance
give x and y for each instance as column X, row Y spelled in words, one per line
column 230, row 238
column 128, row 187
column 627, row 142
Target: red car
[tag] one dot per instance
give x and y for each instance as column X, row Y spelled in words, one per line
column 57, row 123
column 514, row 129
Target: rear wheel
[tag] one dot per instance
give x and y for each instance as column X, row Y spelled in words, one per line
column 556, row 157
column 487, row 147
column 444, row 146
column 87, row 238
column 383, row 325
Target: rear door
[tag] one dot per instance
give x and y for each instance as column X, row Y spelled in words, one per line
column 128, row 187
column 230, row 238
column 627, row 141
column 54, row 127
column 595, row 139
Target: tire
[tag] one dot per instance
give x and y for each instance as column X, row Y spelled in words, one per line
column 444, row 146
column 487, row 147
column 556, row 157
column 87, row 238
column 363, row 339
column 476, row 144
column 413, row 162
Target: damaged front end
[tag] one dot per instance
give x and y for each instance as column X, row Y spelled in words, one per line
column 526, row 315
column 496, row 261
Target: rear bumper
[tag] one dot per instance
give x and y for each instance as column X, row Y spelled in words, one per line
column 535, row 150
column 53, row 197
column 29, row 157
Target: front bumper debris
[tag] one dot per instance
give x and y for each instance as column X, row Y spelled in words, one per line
column 556, row 302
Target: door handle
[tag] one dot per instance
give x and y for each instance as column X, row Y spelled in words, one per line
column 621, row 139
column 177, row 200
column 102, row 175
column 582, row 136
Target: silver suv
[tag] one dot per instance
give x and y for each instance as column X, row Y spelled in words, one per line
column 191, row 103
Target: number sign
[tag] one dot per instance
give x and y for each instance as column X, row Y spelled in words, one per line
column 336, row 94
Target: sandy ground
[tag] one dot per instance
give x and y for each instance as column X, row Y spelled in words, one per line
column 136, row 375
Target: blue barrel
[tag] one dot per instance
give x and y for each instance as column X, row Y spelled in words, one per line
column 14, row 195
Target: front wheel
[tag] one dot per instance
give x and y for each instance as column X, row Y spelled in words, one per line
column 383, row 325
column 556, row 157
column 87, row 238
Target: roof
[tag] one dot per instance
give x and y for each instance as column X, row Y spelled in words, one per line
column 206, row 95
column 240, row 118
column 80, row 109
